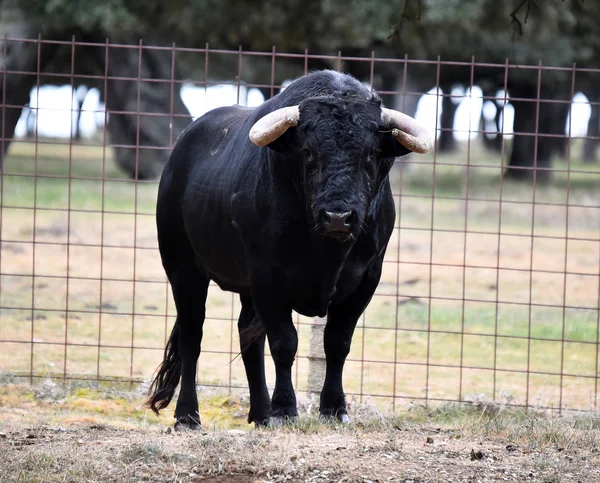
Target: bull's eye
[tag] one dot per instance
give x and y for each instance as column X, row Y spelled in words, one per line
column 306, row 153
column 372, row 153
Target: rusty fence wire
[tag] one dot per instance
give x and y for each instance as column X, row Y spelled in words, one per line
column 490, row 288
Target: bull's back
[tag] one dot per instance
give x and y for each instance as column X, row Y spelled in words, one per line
column 194, row 218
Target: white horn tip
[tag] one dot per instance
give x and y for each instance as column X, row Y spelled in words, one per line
column 420, row 145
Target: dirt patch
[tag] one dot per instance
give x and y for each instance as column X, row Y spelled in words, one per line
column 47, row 434
column 396, row 453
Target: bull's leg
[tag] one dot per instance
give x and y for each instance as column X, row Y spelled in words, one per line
column 181, row 354
column 190, row 289
column 276, row 316
column 283, row 342
column 253, row 355
column 341, row 321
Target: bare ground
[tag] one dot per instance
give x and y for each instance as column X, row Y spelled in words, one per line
column 48, row 433
column 384, row 453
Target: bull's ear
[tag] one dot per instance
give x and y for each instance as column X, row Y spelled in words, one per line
column 391, row 148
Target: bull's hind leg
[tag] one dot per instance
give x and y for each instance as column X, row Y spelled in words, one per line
column 252, row 342
column 190, row 289
column 341, row 322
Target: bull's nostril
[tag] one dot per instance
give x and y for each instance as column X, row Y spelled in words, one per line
column 349, row 221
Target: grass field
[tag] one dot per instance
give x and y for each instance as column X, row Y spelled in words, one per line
column 490, row 289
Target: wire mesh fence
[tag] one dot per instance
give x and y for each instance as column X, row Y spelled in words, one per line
column 490, row 287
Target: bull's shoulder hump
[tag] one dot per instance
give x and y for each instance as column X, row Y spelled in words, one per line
column 204, row 137
column 228, row 112
column 228, row 117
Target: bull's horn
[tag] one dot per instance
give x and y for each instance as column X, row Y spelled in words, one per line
column 270, row 127
column 407, row 131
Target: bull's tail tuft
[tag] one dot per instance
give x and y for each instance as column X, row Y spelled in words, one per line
column 252, row 333
column 167, row 376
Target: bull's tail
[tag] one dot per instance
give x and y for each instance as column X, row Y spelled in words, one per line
column 167, row 376
column 250, row 334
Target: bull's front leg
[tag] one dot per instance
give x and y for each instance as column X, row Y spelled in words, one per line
column 283, row 342
column 252, row 344
column 341, row 322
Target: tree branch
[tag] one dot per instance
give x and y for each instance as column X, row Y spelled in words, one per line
column 516, row 22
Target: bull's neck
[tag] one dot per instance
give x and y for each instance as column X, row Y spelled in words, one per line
column 328, row 258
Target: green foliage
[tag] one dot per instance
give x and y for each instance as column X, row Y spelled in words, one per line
column 458, row 30
column 110, row 16
column 557, row 32
column 290, row 24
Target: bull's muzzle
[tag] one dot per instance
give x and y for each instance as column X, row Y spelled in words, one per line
column 337, row 224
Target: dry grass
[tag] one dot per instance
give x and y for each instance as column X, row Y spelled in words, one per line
column 446, row 349
column 481, row 442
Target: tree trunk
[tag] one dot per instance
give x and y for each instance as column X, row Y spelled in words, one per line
column 316, row 357
column 22, row 57
column 590, row 145
column 556, row 123
column 446, row 142
column 524, row 161
column 142, row 142
column 408, row 103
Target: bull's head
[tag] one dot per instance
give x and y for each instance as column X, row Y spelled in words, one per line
column 347, row 147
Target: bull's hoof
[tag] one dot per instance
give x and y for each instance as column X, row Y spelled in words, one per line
column 188, row 423
column 262, row 423
column 179, row 426
column 279, row 421
column 285, row 415
column 343, row 418
column 340, row 416
column 261, row 420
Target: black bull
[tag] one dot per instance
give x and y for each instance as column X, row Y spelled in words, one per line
column 288, row 204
